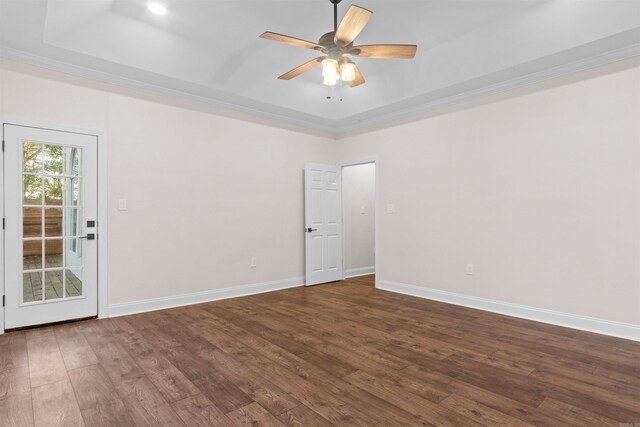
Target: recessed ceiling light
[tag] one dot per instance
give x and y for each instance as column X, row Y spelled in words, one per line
column 355, row 121
column 156, row 8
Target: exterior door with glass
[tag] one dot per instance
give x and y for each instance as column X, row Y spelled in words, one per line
column 51, row 251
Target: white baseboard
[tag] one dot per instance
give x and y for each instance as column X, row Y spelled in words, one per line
column 142, row 306
column 600, row 326
column 361, row 271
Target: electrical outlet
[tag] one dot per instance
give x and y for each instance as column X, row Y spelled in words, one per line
column 122, row 204
column 254, row 262
column 391, row 208
column 469, row 269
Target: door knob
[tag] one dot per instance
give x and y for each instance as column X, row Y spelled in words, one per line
column 89, row 236
column 309, row 230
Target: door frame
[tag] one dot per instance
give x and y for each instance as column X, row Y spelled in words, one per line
column 101, row 219
column 376, row 204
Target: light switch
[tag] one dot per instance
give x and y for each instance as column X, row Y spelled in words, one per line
column 391, row 208
column 362, row 210
column 122, row 204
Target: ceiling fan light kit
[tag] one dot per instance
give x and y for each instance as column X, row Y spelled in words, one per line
column 336, row 44
column 347, row 70
column 329, row 71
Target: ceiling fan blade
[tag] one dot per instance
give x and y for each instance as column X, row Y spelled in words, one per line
column 358, row 80
column 301, row 68
column 352, row 23
column 403, row 51
column 290, row 40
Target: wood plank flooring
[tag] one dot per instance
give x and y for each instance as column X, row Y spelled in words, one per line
column 336, row 354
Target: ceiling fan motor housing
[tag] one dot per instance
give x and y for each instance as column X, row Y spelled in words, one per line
column 333, row 50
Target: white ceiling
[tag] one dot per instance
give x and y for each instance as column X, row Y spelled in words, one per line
column 209, row 49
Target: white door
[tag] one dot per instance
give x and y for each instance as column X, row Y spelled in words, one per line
column 323, row 223
column 51, row 251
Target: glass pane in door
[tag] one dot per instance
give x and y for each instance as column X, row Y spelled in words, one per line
column 52, row 222
column 31, row 222
column 53, row 160
column 32, row 286
column 53, row 191
column 53, row 253
column 31, row 157
column 73, row 282
column 73, row 221
column 53, row 284
column 73, row 252
column 31, row 190
column 32, row 254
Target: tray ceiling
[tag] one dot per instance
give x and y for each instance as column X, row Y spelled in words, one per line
column 210, row 50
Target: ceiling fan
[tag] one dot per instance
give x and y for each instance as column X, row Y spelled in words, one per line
column 337, row 44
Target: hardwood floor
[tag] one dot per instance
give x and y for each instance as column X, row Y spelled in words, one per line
column 336, row 354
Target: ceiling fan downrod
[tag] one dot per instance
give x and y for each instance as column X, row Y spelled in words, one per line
column 335, row 14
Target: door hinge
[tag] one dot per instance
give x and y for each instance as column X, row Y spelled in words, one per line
column 3, row 300
column 3, row 145
column 3, row 223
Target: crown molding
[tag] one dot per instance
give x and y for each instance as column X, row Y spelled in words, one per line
column 389, row 117
column 254, row 111
column 414, row 109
